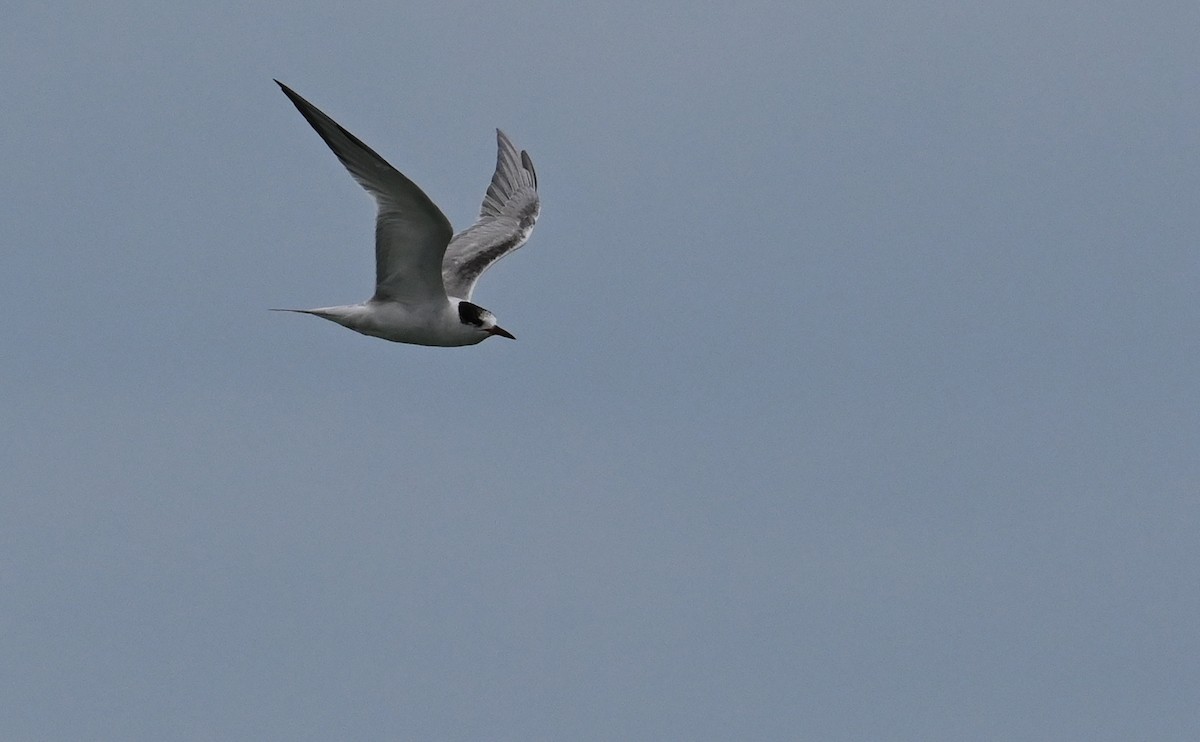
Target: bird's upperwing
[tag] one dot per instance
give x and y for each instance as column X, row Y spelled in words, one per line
column 411, row 233
column 510, row 209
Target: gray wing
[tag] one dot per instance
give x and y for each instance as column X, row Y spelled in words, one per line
column 411, row 233
column 510, row 209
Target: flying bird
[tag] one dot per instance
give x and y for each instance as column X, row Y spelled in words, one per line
column 424, row 273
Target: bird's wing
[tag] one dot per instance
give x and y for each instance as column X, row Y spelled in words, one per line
column 510, row 209
column 411, row 233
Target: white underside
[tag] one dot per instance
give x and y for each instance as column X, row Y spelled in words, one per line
column 402, row 323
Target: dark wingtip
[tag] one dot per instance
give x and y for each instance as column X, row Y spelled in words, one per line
column 291, row 94
column 527, row 163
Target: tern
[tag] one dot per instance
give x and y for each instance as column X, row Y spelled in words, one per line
column 424, row 273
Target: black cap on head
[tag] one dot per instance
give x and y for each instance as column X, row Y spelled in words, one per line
column 471, row 314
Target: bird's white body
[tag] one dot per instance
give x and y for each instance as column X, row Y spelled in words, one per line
column 421, row 267
column 418, row 324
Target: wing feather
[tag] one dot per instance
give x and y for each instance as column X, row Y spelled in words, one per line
column 509, row 212
column 411, row 233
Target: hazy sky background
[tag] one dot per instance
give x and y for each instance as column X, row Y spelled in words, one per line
column 855, row 394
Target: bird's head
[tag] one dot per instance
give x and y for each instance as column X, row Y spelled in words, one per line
column 481, row 320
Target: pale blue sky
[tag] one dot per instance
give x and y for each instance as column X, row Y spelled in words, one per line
column 855, row 397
